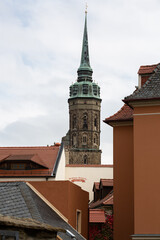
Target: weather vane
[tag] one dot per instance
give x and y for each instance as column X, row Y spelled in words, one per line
column 86, row 8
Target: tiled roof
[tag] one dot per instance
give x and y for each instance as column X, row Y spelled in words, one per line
column 149, row 91
column 18, row 200
column 107, row 200
column 106, row 182
column 44, row 156
column 96, row 185
column 147, row 69
column 96, row 216
column 124, row 114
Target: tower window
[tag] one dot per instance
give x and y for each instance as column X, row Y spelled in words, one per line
column 95, row 140
column 75, row 90
column 95, row 90
column 74, row 140
column 71, row 91
column 95, row 122
column 85, row 88
column 84, row 139
column 85, row 160
column 85, row 125
column 74, row 121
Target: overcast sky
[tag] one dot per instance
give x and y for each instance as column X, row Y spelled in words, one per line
column 40, row 50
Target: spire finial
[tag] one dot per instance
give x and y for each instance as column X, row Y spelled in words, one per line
column 86, row 8
column 85, row 70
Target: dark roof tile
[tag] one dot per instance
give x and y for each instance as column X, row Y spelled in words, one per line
column 149, row 91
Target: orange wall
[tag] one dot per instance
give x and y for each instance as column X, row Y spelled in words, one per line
column 66, row 197
column 123, row 182
column 147, row 170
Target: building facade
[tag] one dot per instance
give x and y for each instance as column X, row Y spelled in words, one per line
column 84, row 113
column 136, row 149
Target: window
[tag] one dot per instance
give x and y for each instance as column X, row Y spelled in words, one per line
column 18, row 166
column 78, row 221
column 74, row 140
column 74, row 121
column 95, row 139
column 6, row 234
column 85, row 160
column 85, row 124
column 95, row 90
column 85, row 88
column 95, row 123
column 84, row 139
column 75, row 90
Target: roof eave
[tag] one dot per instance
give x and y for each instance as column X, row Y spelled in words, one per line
column 119, row 122
column 142, row 101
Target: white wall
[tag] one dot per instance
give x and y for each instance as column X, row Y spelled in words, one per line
column 60, row 174
column 85, row 176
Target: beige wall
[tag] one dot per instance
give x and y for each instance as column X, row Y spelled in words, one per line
column 147, row 169
column 85, row 176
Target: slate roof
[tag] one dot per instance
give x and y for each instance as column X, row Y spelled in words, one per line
column 18, row 200
column 96, row 216
column 149, row 91
column 45, row 156
column 124, row 114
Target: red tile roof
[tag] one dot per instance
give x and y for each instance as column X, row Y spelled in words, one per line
column 147, row 69
column 106, row 182
column 44, row 156
column 96, row 216
column 96, row 185
column 107, row 200
column 124, row 114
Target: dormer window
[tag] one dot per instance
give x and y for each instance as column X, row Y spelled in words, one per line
column 21, row 162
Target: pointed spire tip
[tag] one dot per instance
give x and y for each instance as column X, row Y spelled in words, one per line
column 86, row 8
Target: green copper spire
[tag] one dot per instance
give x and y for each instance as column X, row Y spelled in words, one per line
column 85, row 71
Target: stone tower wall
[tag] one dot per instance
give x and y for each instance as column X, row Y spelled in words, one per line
column 84, row 131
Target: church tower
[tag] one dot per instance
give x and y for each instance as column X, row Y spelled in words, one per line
column 84, row 113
